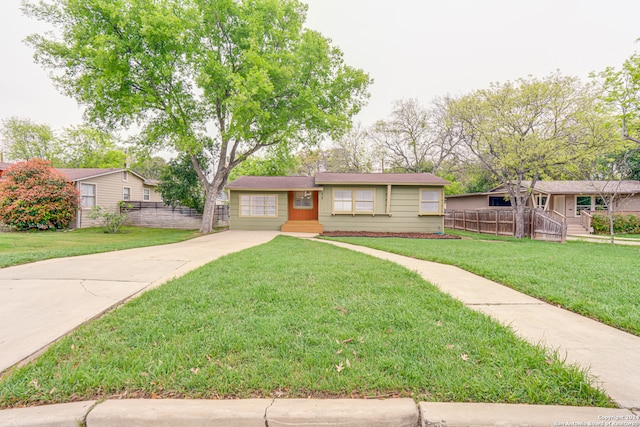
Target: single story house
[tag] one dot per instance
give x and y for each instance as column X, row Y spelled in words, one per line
column 338, row 202
column 105, row 187
column 567, row 199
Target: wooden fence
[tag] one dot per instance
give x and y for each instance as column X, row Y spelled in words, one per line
column 502, row 222
column 158, row 215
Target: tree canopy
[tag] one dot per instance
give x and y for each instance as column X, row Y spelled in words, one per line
column 88, row 147
column 24, row 140
column 622, row 93
column 219, row 80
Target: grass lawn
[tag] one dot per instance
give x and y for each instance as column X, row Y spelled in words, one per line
column 296, row 318
column 594, row 279
column 20, row 248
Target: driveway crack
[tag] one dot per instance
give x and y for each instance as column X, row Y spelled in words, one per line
column 266, row 418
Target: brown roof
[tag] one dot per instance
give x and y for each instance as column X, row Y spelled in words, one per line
column 585, row 187
column 273, row 183
column 279, row 183
column 379, row 178
column 78, row 174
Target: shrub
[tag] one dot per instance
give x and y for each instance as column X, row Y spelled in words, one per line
column 33, row 195
column 622, row 224
column 112, row 222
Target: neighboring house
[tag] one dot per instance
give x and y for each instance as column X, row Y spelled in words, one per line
column 107, row 188
column 338, row 202
column 566, row 199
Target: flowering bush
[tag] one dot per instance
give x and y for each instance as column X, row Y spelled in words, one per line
column 33, row 195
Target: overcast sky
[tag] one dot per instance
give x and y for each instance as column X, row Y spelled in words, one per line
column 412, row 48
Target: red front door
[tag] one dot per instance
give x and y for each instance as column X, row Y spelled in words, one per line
column 303, row 205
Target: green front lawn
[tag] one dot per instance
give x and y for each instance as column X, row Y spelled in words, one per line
column 297, row 318
column 23, row 247
column 594, row 279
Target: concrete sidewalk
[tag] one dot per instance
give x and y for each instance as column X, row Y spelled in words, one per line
column 612, row 356
column 593, row 238
column 43, row 301
column 310, row 413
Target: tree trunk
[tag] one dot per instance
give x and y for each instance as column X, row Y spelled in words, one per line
column 212, row 191
column 611, row 233
column 208, row 214
column 519, row 220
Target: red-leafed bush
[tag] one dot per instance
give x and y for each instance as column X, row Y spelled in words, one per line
column 33, row 195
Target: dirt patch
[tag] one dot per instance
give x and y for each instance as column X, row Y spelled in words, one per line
column 388, row 234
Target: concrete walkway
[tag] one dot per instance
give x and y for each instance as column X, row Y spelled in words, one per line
column 612, row 356
column 594, row 238
column 43, row 301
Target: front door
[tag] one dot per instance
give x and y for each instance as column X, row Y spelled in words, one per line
column 559, row 205
column 303, row 205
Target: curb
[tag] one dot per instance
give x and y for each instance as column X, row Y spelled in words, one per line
column 311, row 413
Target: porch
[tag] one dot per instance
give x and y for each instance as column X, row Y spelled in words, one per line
column 302, row 226
column 302, row 213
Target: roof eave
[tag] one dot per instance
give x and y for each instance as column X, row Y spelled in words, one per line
column 418, row 184
column 274, row 189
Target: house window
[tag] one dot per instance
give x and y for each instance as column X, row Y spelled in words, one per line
column 259, row 205
column 353, row 201
column 146, row 194
column 590, row 203
column 430, row 202
column 87, row 195
column 125, row 175
column 126, row 194
column 541, row 201
column 302, row 200
column 495, row 201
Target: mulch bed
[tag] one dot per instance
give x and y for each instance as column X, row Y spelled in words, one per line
column 388, row 234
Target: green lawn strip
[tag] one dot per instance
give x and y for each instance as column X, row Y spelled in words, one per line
column 295, row 318
column 593, row 279
column 24, row 247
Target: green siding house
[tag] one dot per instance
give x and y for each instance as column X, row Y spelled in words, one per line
column 338, row 202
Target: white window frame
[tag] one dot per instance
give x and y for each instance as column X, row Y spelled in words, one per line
column 541, row 200
column 250, row 206
column 126, row 195
column 429, row 197
column 125, row 176
column 356, row 197
column 83, row 196
column 146, row 194
column 594, row 206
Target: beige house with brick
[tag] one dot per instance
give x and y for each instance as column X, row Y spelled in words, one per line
column 338, row 202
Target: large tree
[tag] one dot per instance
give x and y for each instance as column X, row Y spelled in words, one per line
column 351, row 153
column 523, row 129
column 622, row 94
column 219, row 80
column 415, row 138
column 88, row 147
column 24, row 140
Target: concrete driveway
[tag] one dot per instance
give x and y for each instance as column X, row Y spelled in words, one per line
column 43, row 301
